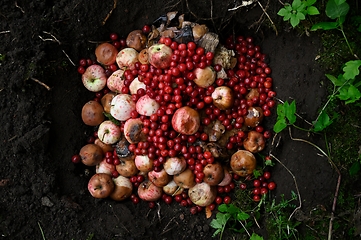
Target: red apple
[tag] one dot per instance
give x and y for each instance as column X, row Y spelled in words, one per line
column 213, row 173
column 223, row 97
column 121, row 107
column 186, row 120
column 160, row 179
column 115, row 82
column 147, row 191
column 94, row 78
column 159, row 55
column 100, row 185
column 109, row 132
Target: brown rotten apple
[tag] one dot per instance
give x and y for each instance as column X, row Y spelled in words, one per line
column 91, row 154
column 186, row 121
column 254, row 117
column 254, row 142
column 243, row 163
column 137, row 40
column 202, row 194
column 122, row 188
column 185, row 179
column 213, row 173
column 92, row 113
column 223, row 97
column 100, row 185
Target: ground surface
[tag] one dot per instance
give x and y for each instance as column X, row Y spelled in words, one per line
column 40, row 129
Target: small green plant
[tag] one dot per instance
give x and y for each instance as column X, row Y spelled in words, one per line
column 337, row 11
column 284, row 227
column 298, row 11
column 285, row 116
column 231, row 215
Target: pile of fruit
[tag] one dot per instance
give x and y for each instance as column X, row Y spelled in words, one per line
column 177, row 115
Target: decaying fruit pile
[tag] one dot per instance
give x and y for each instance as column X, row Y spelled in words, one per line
column 177, row 115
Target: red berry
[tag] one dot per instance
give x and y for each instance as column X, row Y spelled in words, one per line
column 76, row 158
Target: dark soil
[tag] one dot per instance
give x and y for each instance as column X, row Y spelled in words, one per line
column 42, row 190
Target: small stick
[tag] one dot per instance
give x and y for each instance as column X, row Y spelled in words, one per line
column 269, row 18
column 41, row 83
column 16, row 5
column 166, row 226
column 68, row 58
column 244, row 227
column 41, row 230
column 111, row 11
column 2, row 32
column 296, row 185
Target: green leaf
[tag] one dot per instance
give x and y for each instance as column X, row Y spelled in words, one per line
column 280, row 125
column 351, row 69
column 310, row 2
column 301, row 7
column 223, row 208
column 283, row 12
column 354, row 94
column 311, row 10
column 290, row 110
column 294, row 20
column 339, row 2
column 338, row 82
column 354, row 169
column 300, row 16
column 256, row 237
column 323, row 121
column 281, row 113
column 334, row 10
column 242, row 216
column 324, row 26
column 296, row 4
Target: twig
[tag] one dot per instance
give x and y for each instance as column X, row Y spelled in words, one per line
column 207, row 19
column 16, row 5
column 68, row 58
column 296, row 185
column 244, row 227
column 337, row 185
column 244, row 4
column 164, row 229
column 111, row 11
column 269, row 18
column 2, row 32
column 41, row 230
column 54, row 39
column 41, row 83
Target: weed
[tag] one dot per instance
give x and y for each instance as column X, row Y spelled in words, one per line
column 337, row 11
column 298, row 11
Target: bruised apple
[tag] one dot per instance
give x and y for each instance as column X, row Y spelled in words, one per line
column 254, row 142
column 115, row 82
column 126, row 58
column 106, row 53
column 100, row 185
column 254, row 117
column 91, row 154
column 137, row 40
column 103, row 146
column 133, row 130
column 172, row 189
column 92, row 113
column 143, row 163
column 223, row 97
column 122, row 188
column 213, row 173
column 202, row 194
column 243, row 163
column 205, row 77
column 185, row 179
column 159, row 179
column 175, row 165
column 186, row 120
column 104, row 167
column 127, row 168
column 106, row 101
column 227, row 179
column 159, row 55
column 147, row 191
